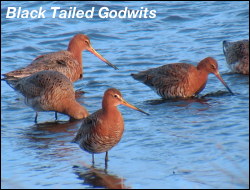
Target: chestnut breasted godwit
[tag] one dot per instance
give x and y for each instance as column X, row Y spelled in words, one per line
column 237, row 56
column 103, row 129
column 67, row 62
column 49, row 91
column 180, row 80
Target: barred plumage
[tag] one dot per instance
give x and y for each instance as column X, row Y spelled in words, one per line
column 179, row 80
column 67, row 62
column 237, row 56
column 49, row 91
column 103, row 129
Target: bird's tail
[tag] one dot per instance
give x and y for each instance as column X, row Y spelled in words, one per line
column 139, row 76
column 11, row 81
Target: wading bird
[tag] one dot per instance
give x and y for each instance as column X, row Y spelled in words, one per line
column 180, row 80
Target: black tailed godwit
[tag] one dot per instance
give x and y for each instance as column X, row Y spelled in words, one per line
column 49, row 91
column 180, row 80
column 237, row 56
column 68, row 62
column 103, row 129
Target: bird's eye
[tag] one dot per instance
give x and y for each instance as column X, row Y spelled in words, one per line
column 213, row 67
column 86, row 42
column 115, row 95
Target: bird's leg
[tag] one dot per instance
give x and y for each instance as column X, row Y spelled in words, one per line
column 106, row 160
column 106, row 157
column 93, row 159
column 56, row 115
column 36, row 117
column 106, row 168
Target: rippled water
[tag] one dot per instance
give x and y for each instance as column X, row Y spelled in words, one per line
column 196, row 143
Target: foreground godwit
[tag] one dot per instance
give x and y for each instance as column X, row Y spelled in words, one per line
column 49, row 91
column 103, row 129
column 67, row 62
column 180, row 80
column 237, row 55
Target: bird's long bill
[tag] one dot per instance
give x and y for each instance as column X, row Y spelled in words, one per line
column 223, row 82
column 125, row 103
column 92, row 50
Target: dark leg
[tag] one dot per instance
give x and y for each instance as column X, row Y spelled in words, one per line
column 106, row 157
column 106, row 161
column 93, row 159
column 56, row 115
column 36, row 117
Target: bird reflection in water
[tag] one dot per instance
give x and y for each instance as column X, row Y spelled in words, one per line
column 203, row 101
column 183, row 103
column 98, row 178
column 58, row 126
column 42, row 134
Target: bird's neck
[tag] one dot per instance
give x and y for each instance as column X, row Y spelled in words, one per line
column 76, row 51
column 114, row 120
column 202, row 79
column 73, row 108
column 203, row 74
column 109, row 108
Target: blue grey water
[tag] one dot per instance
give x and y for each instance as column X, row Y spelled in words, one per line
column 196, row 143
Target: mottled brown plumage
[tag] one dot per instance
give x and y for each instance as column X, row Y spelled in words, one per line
column 179, row 80
column 237, row 56
column 49, row 91
column 67, row 62
column 103, row 129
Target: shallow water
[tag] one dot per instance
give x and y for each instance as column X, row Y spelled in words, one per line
column 197, row 143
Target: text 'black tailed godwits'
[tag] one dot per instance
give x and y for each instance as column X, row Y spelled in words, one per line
column 180, row 80
column 103, row 129
column 49, row 91
column 67, row 62
column 237, row 56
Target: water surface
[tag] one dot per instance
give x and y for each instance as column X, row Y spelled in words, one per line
column 196, row 143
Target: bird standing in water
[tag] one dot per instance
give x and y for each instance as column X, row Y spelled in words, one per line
column 237, row 56
column 49, row 91
column 103, row 129
column 68, row 62
column 180, row 80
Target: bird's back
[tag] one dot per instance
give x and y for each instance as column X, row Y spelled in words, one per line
column 45, row 90
column 62, row 61
column 168, row 80
column 237, row 55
